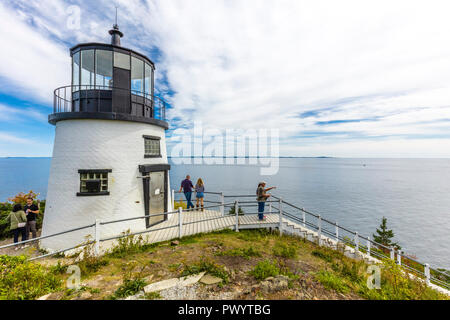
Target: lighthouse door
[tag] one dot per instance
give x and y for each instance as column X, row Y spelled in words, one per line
column 157, row 196
column 121, row 97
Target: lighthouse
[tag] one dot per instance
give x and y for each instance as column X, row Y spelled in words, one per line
column 109, row 155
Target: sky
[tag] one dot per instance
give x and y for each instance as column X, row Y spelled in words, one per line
column 336, row 78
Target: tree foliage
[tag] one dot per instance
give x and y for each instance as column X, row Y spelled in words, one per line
column 384, row 235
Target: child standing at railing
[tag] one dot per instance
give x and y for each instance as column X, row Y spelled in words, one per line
column 199, row 189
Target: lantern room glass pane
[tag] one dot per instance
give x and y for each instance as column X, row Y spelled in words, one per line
column 87, row 69
column 137, row 76
column 148, row 81
column 121, row 60
column 76, row 71
column 103, row 69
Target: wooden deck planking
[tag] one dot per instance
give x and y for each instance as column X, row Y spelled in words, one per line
column 193, row 224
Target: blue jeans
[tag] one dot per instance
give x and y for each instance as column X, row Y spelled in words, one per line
column 261, row 205
column 188, row 196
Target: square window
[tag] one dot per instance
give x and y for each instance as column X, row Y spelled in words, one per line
column 93, row 182
column 152, row 147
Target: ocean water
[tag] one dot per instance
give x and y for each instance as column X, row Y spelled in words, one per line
column 413, row 194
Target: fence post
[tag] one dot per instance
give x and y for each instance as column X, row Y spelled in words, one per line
column 180, row 222
column 270, row 207
column 336, row 231
column 222, row 204
column 173, row 199
column 392, row 253
column 280, row 222
column 356, row 241
column 368, row 246
column 236, row 211
column 399, row 257
column 427, row 273
column 304, row 217
column 319, row 231
column 97, row 238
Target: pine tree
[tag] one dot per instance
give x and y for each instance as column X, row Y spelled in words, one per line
column 384, row 235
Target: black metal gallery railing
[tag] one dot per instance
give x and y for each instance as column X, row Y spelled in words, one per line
column 101, row 99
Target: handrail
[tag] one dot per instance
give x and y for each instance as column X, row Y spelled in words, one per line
column 63, row 99
column 47, row 236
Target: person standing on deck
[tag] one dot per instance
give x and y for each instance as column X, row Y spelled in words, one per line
column 186, row 186
column 31, row 210
column 262, row 196
column 199, row 193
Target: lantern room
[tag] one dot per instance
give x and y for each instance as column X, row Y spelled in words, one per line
column 109, row 79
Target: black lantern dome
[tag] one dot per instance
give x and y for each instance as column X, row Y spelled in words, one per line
column 109, row 82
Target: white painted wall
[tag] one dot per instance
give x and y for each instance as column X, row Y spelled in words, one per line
column 97, row 144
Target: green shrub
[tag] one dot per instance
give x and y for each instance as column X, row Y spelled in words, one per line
column 265, row 269
column 284, row 251
column 90, row 263
column 130, row 287
column 331, row 281
column 58, row 268
column 128, row 244
column 23, row 280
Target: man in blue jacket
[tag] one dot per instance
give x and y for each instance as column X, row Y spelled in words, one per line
column 186, row 186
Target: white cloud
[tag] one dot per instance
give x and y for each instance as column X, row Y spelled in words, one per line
column 10, row 114
column 252, row 64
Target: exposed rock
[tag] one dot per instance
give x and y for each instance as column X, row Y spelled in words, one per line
column 170, row 283
column 44, row 297
column 209, row 279
column 272, row 284
column 148, row 278
column 161, row 285
column 186, row 281
column 85, row 295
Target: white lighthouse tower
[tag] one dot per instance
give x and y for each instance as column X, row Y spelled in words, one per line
column 109, row 156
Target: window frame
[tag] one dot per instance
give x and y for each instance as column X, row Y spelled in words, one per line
column 155, row 138
column 94, row 171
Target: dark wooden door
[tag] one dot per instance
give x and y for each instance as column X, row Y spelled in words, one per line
column 121, row 97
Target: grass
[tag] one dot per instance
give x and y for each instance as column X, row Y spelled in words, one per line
column 242, row 260
column 331, row 281
column 283, row 250
column 246, row 253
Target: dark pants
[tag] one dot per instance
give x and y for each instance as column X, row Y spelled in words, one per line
column 16, row 234
column 31, row 227
column 261, row 205
column 188, row 196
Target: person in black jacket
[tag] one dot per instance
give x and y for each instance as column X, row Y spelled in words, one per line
column 31, row 210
